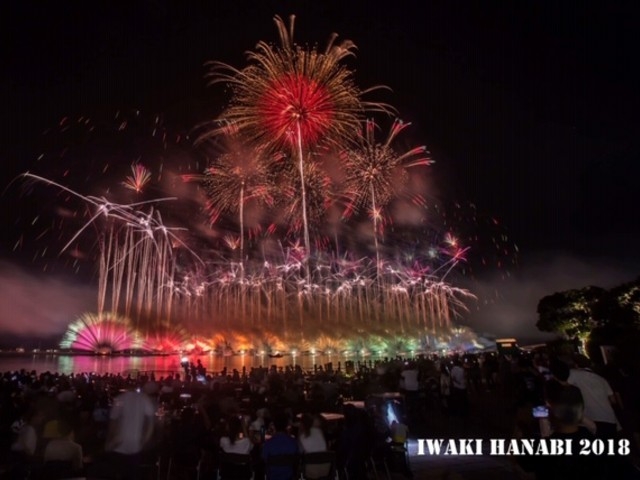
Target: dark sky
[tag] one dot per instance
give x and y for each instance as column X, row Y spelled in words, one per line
column 529, row 108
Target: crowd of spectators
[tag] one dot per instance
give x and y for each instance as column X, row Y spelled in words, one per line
column 190, row 422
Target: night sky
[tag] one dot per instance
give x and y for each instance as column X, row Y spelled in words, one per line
column 530, row 109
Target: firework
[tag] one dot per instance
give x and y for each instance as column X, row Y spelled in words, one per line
column 347, row 295
column 375, row 173
column 136, row 256
column 319, row 195
column 104, row 334
column 293, row 98
column 165, row 338
column 234, row 179
column 289, row 88
column 243, row 279
column 139, row 177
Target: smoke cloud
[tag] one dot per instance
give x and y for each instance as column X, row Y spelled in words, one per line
column 507, row 307
column 39, row 305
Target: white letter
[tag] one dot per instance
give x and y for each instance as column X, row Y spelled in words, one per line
column 497, row 446
column 451, row 448
column 543, row 447
column 513, row 449
column 465, row 447
column 434, row 446
column 558, row 447
column 527, row 446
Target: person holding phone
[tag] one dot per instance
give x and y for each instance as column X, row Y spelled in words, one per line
column 542, row 413
column 564, row 416
column 561, row 372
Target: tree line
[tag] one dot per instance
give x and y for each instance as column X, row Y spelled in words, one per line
column 595, row 315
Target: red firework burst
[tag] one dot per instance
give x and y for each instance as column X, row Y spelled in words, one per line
column 289, row 87
column 296, row 99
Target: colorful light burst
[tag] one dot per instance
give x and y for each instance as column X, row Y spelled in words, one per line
column 287, row 88
column 294, row 98
column 138, row 268
column 232, row 180
column 376, row 172
column 138, row 179
column 319, row 195
column 103, row 334
column 294, row 110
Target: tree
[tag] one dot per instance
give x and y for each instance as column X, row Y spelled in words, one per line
column 624, row 305
column 572, row 313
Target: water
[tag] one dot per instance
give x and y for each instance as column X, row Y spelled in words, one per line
column 162, row 365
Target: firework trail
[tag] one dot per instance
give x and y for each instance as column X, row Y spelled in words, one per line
column 234, row 179
column 135, row 252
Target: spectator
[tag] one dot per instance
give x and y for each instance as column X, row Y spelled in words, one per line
column 459, row 398
column 311, row 437
column 63, row 448
column 312, row 440
column 399, row 432
column 445, row 387
column 280, row 444
column 598, row 400
column 237, row 440
column 131, row 423
column 411, row 386
column 353, row 444
column 27, row 438
column 566, row 408
column 258, row 425
column 528, row 391
column 200, row 368
column 410, row 378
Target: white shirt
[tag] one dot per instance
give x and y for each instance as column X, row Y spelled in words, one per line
column 458, row 379
column 64, row 450
column 242, row 445
column 26, row 441
column 128, row 415
column 257, row 424
column 445, row 384
column 410, row 378
column 315, row 442
column 596, row 392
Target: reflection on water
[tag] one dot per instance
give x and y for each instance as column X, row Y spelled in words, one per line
column 116, row 364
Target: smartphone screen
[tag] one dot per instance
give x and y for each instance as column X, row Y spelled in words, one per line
column 540, row 412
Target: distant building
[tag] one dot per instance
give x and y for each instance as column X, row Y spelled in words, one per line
column 507, row 345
